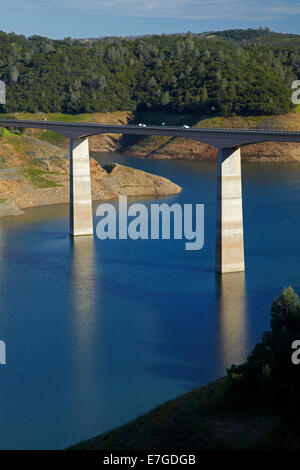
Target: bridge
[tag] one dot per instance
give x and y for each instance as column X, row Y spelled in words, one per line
column 229, row 217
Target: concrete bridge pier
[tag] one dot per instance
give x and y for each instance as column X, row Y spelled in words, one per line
column 81, row 213
column 229, row 227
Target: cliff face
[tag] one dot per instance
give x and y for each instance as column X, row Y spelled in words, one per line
column 34, row 173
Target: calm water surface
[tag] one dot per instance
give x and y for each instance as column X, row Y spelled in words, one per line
column 98, row 332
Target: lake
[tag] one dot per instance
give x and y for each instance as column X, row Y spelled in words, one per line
column 99, row 332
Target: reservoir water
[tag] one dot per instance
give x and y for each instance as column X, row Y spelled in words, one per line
column 99, row 332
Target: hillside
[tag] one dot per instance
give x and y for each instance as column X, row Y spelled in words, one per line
column 35, row 172
column 261, row 37
column 231, row 72
column 192, row 421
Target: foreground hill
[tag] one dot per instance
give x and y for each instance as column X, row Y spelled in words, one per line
column 193, row 421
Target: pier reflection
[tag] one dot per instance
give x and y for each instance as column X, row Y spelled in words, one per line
column 84, row 293
column 233, row 334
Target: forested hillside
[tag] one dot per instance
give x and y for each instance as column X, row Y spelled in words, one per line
column 229, row 72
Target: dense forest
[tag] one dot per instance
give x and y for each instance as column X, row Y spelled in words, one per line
column 230, row 72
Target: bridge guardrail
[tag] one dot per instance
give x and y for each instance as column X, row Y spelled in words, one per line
column 14, row 122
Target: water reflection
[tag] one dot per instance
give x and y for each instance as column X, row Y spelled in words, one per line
column 84, row 357
column 233, row 335
column 137, row 318
column 83, row 295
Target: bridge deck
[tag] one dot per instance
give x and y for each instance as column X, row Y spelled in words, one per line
column 218, row 137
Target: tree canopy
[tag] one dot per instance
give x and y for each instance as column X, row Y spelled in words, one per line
column 229, row 73
column 269, row 379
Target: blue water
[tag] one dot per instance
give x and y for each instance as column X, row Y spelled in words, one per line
column 98, row 332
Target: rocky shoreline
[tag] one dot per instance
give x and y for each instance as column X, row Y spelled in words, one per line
column 25, row 187
column 108, row 183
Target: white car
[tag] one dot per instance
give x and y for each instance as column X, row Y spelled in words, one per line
column 185, row 127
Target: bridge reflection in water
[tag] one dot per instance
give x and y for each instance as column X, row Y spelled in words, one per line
column 233, row 331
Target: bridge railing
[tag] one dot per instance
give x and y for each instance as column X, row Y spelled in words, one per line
column 254, row 130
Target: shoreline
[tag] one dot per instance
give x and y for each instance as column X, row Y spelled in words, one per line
column 16, row 206
column 108, row 183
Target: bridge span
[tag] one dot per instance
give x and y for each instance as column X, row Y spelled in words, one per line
column 229, row 217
